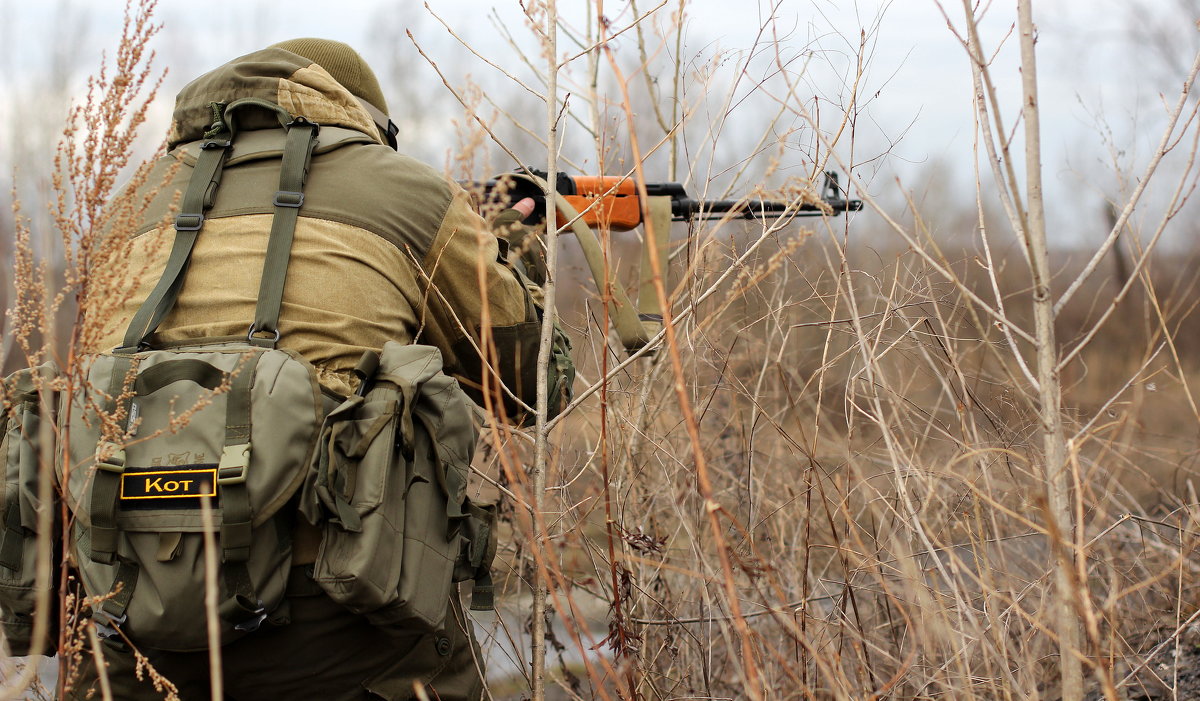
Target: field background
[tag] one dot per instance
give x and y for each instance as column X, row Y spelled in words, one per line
column 942, row 448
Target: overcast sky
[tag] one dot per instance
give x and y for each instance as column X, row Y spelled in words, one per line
column 917, row 81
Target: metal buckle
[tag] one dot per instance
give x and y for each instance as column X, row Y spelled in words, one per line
column 250, row 335
column 300, row 121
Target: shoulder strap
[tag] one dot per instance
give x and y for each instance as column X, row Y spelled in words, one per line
column 197, row 199
column 297, row 152
column 188, row 223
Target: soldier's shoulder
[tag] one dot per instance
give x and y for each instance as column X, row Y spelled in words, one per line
column 396, row 196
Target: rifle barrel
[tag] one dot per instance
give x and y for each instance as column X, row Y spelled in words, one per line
column 685, row 209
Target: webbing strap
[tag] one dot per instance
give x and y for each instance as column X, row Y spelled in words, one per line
column 10, row 549
column 387, row 128
column 656, row 234
column 297, row 151
column 483, row 593
column 106, row 483
column 156, row 377
column 231, row 471
column 14, row 534
column 624, row 316
column 482, row 552
column 241, row 607
column 120, row 593
column 188, row 223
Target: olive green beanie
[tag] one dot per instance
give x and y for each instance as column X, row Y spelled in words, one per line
column 341, row 62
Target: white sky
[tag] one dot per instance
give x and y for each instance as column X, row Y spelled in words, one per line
column 918, row 81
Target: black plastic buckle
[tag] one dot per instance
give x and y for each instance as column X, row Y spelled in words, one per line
column 299, row 121
column 392, row 131
column 215, row 143
column 257, row 616
column 106, row 625
column 285, row 198
column 189, row 222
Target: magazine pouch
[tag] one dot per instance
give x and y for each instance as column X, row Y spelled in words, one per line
column 388, row 490
column 28, row 442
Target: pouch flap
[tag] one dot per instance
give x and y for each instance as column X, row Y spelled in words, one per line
column 184, row 421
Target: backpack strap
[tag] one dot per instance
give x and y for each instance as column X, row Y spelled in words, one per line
column 297, row 153
column 106, row 492
column 110, row 614
column 241, row 607
column 106, row 484
column 204, row 181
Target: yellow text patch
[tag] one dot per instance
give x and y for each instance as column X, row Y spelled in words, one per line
column 191, row 481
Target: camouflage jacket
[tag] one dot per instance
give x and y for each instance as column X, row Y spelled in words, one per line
column 386, row 248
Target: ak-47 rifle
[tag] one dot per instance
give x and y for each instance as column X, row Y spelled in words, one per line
column 613, row 201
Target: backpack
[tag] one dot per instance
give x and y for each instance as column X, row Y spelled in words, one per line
column 238, row 439
column 27, row 447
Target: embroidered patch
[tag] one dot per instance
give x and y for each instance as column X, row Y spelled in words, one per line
column 183, row 482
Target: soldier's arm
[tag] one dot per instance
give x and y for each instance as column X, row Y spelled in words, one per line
column 480, row 312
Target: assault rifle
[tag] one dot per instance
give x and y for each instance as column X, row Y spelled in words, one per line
column 619, row 207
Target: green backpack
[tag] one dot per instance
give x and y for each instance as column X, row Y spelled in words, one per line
column 244, row 427
column 27, row 446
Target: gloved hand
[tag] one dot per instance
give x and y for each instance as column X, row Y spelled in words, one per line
column 525, row 249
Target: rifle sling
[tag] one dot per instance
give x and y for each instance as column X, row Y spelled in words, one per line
column 624, row 317
column 657, row 234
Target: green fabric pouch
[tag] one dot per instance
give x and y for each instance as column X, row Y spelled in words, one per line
column 154, row 435
column 24, row 447
column 389, row 493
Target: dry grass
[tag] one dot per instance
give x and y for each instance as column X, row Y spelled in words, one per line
column 829, row 481
column 889, row 534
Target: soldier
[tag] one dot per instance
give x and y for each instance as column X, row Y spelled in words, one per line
column 385, row 249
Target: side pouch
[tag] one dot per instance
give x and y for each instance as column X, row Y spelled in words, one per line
column 356, row 495
column 28, row 437
column 387, row 492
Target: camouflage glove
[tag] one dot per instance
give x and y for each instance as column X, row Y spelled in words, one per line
column 525, row 250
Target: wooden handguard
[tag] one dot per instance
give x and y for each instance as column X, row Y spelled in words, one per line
column 618, row 208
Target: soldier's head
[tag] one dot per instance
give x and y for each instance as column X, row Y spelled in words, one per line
column 343, row 63
column 348, row 68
